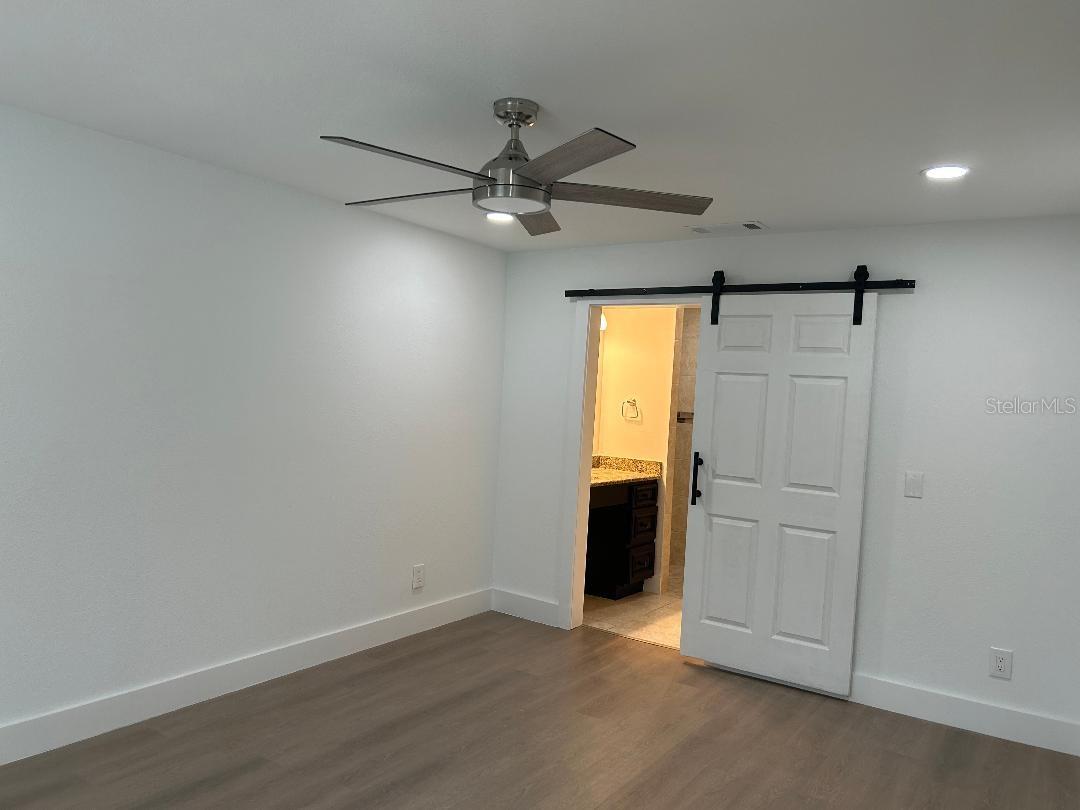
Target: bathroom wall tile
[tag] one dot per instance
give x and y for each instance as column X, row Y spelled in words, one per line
column 691, row 325
column 684, row 437
column 688, row 360
column 678, row 519
column 687, row 384
column 680, row 497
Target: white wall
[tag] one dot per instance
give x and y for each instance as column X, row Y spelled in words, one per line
column 232, row 415
column 989, row 557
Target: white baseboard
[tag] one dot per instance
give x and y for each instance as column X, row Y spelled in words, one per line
column 1055, row 733
column 524, row 606
column 24, row 738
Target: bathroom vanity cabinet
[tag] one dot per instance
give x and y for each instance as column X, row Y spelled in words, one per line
column 621, row 551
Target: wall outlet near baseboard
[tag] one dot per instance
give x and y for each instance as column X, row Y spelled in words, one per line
column 1001, row 663
column 418, row 577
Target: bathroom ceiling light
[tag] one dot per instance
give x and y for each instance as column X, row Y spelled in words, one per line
column 500, row 217
column 946, row 172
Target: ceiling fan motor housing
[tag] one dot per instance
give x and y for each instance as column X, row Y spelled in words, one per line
column 511, row 193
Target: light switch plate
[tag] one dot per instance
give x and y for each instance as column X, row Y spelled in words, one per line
column 913, row 484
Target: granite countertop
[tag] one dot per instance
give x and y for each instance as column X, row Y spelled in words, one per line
column 615, row 470
column 602, row 476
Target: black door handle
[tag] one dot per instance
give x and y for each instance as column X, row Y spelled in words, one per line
column 695, row 493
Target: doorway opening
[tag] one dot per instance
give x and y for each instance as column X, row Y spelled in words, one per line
column 644, row 378
column 781, row 429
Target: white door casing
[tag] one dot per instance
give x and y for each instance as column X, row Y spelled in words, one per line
column 781, row 421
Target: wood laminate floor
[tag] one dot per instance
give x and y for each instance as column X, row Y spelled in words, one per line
column 496, row 712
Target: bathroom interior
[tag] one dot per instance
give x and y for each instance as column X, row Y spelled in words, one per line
column 643, row 421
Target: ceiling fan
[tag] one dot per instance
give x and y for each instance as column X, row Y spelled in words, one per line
column 511, row 185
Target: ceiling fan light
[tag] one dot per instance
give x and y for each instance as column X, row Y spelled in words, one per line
column 512, row 205
column 499, row 216
column 510, row 198
column 946, row 172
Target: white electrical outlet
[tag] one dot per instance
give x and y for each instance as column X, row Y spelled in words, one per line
column 1001, row 663
column 418, row 577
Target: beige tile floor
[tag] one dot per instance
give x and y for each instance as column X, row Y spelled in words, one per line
column 648, row 617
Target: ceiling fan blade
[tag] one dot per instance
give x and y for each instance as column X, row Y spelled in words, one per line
column 405, row 197
column 539, row 224
column 382, row 150
column 587, row 149
column 630, row 198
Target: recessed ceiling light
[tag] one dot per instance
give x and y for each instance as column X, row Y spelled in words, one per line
column 947, row 172
column 498, row 216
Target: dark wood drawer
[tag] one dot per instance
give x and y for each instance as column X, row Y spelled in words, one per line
column 641, row 563
column 644, row 494
column 609, row 495
column 643, row 523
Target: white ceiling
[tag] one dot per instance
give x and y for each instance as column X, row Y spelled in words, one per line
column 799, row 113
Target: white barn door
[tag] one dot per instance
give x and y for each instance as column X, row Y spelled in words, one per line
column 772, row 551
